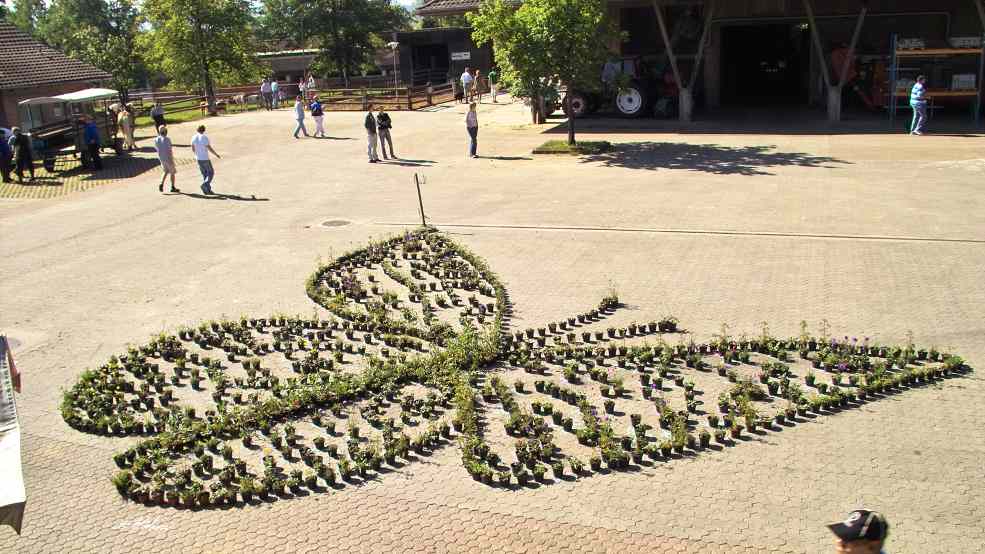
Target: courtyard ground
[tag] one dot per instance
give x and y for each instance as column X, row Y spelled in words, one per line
column 879, row 234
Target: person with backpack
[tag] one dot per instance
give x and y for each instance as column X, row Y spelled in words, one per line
column 370, row 124
column 318, row 115
column 383, row 125
column 299, row 116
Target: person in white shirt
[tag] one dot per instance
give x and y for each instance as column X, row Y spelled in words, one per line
column 466, row 85
column 311, row 85
column 165, row 153
column 275, row 93
column 472, row 126
column 266, row 93
column 299, row 116
column 201, row 146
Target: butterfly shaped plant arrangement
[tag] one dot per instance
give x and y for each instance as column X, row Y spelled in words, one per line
column 413, row 352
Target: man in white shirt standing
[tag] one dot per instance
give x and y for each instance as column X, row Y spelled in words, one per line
column 202, row 147
column 467, row 86
column 266, row 94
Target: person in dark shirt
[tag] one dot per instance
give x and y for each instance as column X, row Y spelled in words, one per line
column 383, row 125
column 91, row 136
column 5, row 157
column 370, row 124
column 23, row 160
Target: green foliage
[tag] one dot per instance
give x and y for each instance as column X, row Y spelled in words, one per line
column 545, row 42
column 201, row 43
column 27, row 15
column 348, row 33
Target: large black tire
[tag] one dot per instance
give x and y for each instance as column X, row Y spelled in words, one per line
column 579, row 104
column 632, row 101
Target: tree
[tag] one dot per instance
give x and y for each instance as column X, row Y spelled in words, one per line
column 546, row 42
column 112, row 46
column 202, row 43
column 65, row 18
column 347, row 33
column 27, row 15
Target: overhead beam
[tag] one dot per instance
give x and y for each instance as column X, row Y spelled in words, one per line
column 670, row 49
column 816, row 35
column 710, row 6
column 851, row 47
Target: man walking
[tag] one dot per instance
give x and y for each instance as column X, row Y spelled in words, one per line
column 318, row 115
column 157, row 114
column 20, row 144
column 5, row 157
column 493, row 77
column 165, row 153
column 91, row 135
column 383, row 125
column 299, row 116
column 202, row 147
column 275, row 93
column 466, row 85
column 918, row 101
column 370, row 124
column 266, row 93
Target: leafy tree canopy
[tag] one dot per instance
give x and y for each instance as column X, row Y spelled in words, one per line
column 544, row 43
column 348, row 32
column 202, row 43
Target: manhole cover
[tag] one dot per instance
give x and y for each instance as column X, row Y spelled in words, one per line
column 335, row 223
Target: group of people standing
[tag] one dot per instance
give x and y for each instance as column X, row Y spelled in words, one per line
column 473, row 85
column 272, row 93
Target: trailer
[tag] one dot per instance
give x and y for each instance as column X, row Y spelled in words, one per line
column 55, row 123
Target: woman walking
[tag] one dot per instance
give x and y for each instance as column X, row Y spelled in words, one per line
column 318, row 115
column 472, row 126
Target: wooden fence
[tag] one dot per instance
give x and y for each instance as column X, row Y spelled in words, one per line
column 245, row 98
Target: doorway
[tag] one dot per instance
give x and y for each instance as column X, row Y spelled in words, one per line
column 766, row 64
column 430, row 63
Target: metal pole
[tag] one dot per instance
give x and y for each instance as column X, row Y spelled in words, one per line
column 981, row 11
column 893, row 75
column 420, row 202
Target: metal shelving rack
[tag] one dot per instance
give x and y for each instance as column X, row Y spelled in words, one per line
column 940, row 53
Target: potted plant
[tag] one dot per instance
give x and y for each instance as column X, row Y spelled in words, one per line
column 595, row 462
column 704, row 438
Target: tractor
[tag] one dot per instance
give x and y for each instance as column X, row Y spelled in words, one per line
column 630, row 86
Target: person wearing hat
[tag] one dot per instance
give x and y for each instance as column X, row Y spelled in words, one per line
column 862, row 532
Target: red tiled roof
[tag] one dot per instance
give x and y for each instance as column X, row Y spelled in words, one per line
column 450, row 7
column 26, row 62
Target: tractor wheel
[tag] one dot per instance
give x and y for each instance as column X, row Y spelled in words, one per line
column 632, row 100
column 579, row 104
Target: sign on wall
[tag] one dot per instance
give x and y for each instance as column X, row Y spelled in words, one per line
column 460, row 56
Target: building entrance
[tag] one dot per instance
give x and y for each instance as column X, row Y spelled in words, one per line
column 766, row 64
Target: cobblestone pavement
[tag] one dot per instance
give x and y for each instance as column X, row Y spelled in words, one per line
column 69, row 175
column 878, row 234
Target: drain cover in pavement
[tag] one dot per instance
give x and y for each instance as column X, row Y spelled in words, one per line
column 335, row 223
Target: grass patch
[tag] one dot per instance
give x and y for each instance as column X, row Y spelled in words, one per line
column 562, row 147
column 189, row 112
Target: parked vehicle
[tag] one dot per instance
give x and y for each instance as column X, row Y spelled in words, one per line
column 630, row 87
column 55, row 123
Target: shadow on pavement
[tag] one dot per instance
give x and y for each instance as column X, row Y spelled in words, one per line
column 710, row 158
column 218, row 196
column 408, row 163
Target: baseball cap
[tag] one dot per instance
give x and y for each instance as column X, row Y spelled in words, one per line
column 861, row 525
